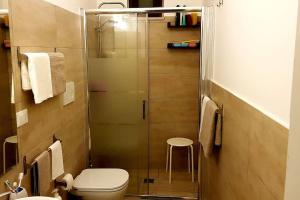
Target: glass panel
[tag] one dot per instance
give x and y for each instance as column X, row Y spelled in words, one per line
column 174, row 79
column 117, row 77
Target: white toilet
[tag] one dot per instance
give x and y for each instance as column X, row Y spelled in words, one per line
column 101, row 184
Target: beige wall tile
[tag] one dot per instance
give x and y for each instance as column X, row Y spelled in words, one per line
column 173, row 110
column 164, row 61
column 33, row 23
column 267, row 155
column 45, row 26
column 160, row 133
column 251, row 162
column 161, row 35
column 173, row 87
column 68, row 29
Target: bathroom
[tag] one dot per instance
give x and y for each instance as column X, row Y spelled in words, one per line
column 129, row 99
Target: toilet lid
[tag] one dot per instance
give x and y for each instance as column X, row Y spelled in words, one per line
column 101, row 179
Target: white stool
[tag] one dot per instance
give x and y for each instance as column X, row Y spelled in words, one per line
column 180, row 142
column 13, row 140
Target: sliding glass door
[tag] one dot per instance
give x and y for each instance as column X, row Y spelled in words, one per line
column 118, row 95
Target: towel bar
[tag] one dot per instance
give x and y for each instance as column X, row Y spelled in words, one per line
column 221, row 110
column 21, row 56
column 27, row 166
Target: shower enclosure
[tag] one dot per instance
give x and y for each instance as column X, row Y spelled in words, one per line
column 117, row 51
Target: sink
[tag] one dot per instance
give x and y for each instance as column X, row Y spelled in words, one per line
column 38, row 198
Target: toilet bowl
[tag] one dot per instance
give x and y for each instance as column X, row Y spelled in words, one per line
column 101, row 184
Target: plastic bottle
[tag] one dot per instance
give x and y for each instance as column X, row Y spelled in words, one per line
column 177, row 19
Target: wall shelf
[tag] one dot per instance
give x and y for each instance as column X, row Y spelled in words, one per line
column 170, row 46
column 173, row 26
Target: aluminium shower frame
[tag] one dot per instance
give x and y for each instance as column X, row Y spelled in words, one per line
column 146, row 11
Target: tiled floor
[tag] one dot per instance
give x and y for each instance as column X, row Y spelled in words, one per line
column 181, row 185
column 132, row 198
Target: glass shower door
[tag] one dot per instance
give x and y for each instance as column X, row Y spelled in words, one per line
column 118, row 96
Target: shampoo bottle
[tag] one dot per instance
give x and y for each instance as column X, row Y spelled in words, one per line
column 177, row 19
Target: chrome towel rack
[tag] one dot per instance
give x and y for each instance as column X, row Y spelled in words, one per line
column 27, row 166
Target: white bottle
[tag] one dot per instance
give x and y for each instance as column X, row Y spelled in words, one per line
column 56, row 194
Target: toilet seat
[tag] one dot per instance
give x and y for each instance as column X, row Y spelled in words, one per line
column 105, row 179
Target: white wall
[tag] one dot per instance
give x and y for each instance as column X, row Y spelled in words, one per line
column 74, row 5
column 292, row 191
column 174, row 3
column 254, row 53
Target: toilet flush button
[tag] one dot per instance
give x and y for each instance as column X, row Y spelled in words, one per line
column 69, row 95
column 22, row 117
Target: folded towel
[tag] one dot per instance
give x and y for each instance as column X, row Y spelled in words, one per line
column 57, row 159
column 39, row 71
column 44, row 173
column 208, row 133
column 12, row 92
column 204, row 101
column 57, row 73
column 25, row 76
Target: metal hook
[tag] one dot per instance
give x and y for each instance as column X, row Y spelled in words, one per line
column 55, row 139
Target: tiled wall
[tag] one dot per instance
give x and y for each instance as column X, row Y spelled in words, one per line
column 251, row 163
column 6, row 122
column 174, row 76
column 38, row 26
column 173, row 89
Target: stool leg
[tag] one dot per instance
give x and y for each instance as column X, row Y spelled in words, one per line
column 16, row 155
column 170, row 161
column 4, row 157
column 167, row 158
column 189, row 160
column 192, row 157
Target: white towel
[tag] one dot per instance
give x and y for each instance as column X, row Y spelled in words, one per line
column 56, row 159
column 25, row 76
column 39, row 71
column 12, row 93
column 204, row 101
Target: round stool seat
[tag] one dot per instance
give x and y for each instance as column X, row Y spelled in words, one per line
column 180, row 142
column 12, row 139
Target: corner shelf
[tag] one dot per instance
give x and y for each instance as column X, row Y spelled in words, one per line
column 170, row 46
column 172, row 26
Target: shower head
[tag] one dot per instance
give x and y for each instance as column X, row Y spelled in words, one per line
column 117, row 22
column 100, row 27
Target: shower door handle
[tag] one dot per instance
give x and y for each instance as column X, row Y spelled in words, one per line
column 144, row 109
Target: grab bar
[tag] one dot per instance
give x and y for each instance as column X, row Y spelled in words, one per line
column 112, row 3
